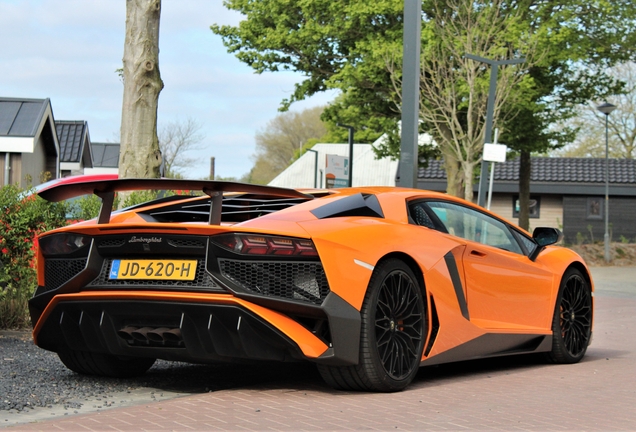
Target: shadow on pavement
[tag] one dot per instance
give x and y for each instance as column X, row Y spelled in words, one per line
column 304, row 376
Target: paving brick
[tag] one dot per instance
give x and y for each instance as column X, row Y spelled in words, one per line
column 507, row 394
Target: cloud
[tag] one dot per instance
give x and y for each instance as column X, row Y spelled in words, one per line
column 69, row 51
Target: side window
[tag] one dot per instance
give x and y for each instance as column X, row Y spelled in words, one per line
column 419, row 215
column 474, row 226
column 528, row 243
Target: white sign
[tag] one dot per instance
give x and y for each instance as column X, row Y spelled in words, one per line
column 495, row 152
column 337, row 171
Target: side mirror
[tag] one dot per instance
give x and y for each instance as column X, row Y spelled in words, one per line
column 544, row 237
column 547, row 236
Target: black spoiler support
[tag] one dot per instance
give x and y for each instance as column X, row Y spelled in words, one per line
column 105, row 190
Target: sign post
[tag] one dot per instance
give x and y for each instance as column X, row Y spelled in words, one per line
column 493, row 153
column 336, row 171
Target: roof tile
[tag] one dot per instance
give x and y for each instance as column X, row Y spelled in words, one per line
column 553, row 170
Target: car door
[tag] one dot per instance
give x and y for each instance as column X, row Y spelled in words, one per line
column 504, row 288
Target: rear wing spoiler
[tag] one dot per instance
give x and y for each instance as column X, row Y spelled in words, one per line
column 105, row 190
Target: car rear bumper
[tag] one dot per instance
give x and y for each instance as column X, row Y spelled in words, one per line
column 191, row 327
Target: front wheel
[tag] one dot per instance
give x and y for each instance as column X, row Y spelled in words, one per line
column 572, row 321
column 393, row 321
column 88, row 363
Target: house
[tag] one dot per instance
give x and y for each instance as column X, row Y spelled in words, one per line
column 75, row 147
column 105, row 159
column 29, row 147
column 309, row 170
column 567, row 193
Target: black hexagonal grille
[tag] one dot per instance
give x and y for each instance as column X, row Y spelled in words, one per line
column 202, row 280
column 59, row 271
column 176, row 242
column 303, row 281
column 111, row 243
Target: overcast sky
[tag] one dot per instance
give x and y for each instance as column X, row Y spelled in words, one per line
column 68, row 51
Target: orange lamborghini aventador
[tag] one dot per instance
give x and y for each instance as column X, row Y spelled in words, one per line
column 368, row 283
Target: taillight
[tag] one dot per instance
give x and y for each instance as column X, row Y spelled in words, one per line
column 62, row 244
column 254, row 244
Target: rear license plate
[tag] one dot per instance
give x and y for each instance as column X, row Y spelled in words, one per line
column 153, row 269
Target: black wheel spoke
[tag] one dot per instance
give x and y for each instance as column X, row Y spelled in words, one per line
column 575, row 315
column 399, row 319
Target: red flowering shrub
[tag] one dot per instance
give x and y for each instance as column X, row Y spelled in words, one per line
column 23, row 215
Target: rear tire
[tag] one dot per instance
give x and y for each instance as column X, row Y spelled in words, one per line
column 572, row 321
column 393, row 321
column 88, row 363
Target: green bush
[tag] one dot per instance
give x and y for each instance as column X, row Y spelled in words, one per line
column 23, row 215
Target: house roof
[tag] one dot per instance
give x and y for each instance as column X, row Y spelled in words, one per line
column 73, row 138
column 21, row 117
column 105, row 155
column 551, row 170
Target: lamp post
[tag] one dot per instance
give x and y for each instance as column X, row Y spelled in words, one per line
column 315, row 166
column 409, row 136
column 490, row 109
column 606, row 109
column 351, row 131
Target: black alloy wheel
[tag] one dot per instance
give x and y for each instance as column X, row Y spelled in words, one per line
column 572, row 322
column 398, row 325
column 393, row 331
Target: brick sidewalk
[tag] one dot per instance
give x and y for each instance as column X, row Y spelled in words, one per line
column 519, row 393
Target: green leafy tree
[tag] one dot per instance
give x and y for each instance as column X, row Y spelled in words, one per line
column 355, row 46
column 334, row 44
column 579, row 41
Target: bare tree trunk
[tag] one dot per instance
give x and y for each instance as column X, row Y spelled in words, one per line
column 454, row 184
column 139, row 154
column 524, row 189
column 467, row 171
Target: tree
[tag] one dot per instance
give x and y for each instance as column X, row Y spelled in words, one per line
column 352, row 45
column 139, row 155
column 455, row 89
column 282, row 141
column 590, row 141
column 580, row 41
column 176, row 139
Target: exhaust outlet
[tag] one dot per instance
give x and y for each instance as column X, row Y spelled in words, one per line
column 141, row 334
column 126, row 333
column 157, row 334
column 172, row 335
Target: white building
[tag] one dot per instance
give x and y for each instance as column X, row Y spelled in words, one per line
column 309, row 170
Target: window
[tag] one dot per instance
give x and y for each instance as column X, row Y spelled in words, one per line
column 419, row 215
column 535, row 206
column 595, row 208
column 474, row 226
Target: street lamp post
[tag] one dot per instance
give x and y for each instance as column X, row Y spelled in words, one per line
column 315, row 166
column 606, row 109
column 409, row 135
column 490, row 109
column 351, row 131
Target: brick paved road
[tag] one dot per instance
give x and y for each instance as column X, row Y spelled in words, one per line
column 518, row 393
